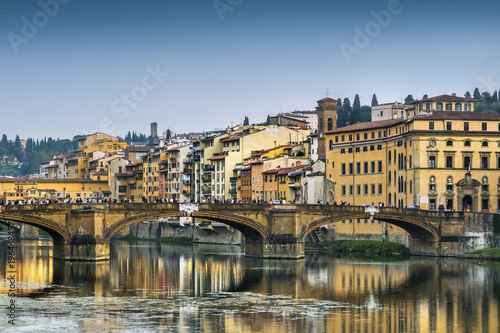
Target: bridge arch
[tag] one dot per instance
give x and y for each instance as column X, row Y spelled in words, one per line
column 416, row 228
column 59, row 235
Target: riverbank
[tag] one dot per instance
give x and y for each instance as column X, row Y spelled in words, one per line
column 491, row 253
column 362, row 247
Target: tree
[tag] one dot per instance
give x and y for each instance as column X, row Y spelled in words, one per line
column 268, row 120
column 409, row 100
column 494, row 97
column 168, row 134
column 341, row 117
column 246, row 121
column 365, row 114
column 477, row 94
column 467, row 94
column 374, row 100
column 346, row 107
column 355, row 115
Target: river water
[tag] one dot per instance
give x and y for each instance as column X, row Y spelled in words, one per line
column 152, row 287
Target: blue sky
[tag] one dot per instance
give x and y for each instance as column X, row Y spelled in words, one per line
column 193, row 65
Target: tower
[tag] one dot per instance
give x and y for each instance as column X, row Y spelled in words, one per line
column 327, row 121
column 154, row 130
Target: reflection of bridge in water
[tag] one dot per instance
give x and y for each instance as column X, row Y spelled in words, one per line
column 270, row 231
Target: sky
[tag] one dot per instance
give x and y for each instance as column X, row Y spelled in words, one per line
column 73, row 67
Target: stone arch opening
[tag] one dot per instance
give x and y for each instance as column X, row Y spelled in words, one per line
column 58, row 235
column 467, row 203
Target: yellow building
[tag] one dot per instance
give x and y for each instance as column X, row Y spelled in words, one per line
column 12, row 189
column 421, row 162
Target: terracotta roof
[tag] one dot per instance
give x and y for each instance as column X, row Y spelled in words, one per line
column 217, row 158
column 134, row 164
column 137, row 149
column 289, row 170
column 270, row 171
column 458, row 115
column 315, row 174
column 445, row 98
column 368, row 125
column 231, row 138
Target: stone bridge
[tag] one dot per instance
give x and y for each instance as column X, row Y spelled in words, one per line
column 270, row 231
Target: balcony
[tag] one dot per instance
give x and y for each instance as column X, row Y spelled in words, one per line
column 206, row 192
column 187, row 161
column 187, row 170
column 233, row 179
column 186, row 182
column 208, row 168
column 233, row 191
column 206, row 180
column 294, row 184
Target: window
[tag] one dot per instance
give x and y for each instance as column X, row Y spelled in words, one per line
column 350, row 190
column 365, row 189
column 449, row 184
column 448, row 107
column 484, row 126
column 357, row 137
column 358, row 189
column 427, row 106
column 373, row 166
column 343, row 190
column 484, row 143
column 449, row 161
column 372, row 148
column 389, row 179
column 431, row 125
column 365, row 167
column 432, row 204
column 458, row 107
column 484, row 184
column 466, row 126
column 484, row 162
column 379, row 147
column 366, row 134
column 411, row 187
column 379, row 189
column 342, row 138
column 350, row 150
column 373, row 135
column 467, row 162
column 342, row 151
column 389, row 159
column 373, row 189
column 439, row 106
column 379, row 167
column 337, row 139
column 358, row 167
column 449, row 143
column 331, row 145
column 357, row 149
column 350, row 168
column 365, row 148
column 330, row 124
column 379, row 134
column 485, row 204
column 342, row 169
column 448, row 125
column 432, row 161
column 350, row 137
column 467, row 143
column 467, row 107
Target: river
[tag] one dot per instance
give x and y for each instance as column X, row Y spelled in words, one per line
column 154, row 287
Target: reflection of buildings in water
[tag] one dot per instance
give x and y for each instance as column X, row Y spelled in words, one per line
column 33, row 267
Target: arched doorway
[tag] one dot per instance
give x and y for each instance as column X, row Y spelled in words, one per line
column 467, row 203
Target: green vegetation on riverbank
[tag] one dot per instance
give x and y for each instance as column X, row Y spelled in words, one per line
column 365, row 247
column 488, row 253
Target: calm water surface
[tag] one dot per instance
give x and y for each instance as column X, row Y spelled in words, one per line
column 151, row 287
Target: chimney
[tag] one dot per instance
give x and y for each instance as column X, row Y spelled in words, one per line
column 454, row 94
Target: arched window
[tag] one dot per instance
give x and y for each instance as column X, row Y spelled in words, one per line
column 420, row 108
column 449, row 143
column 467, row 143
column 484, row 184
column 432, row 184
column 484, row 143
column 467, row 107
column 449, row 183
column 458, row 106
column 439, row 106
column 330, row 124
column 427, row 106
column 448, row 107
column 320, row 124
column 331, row 144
